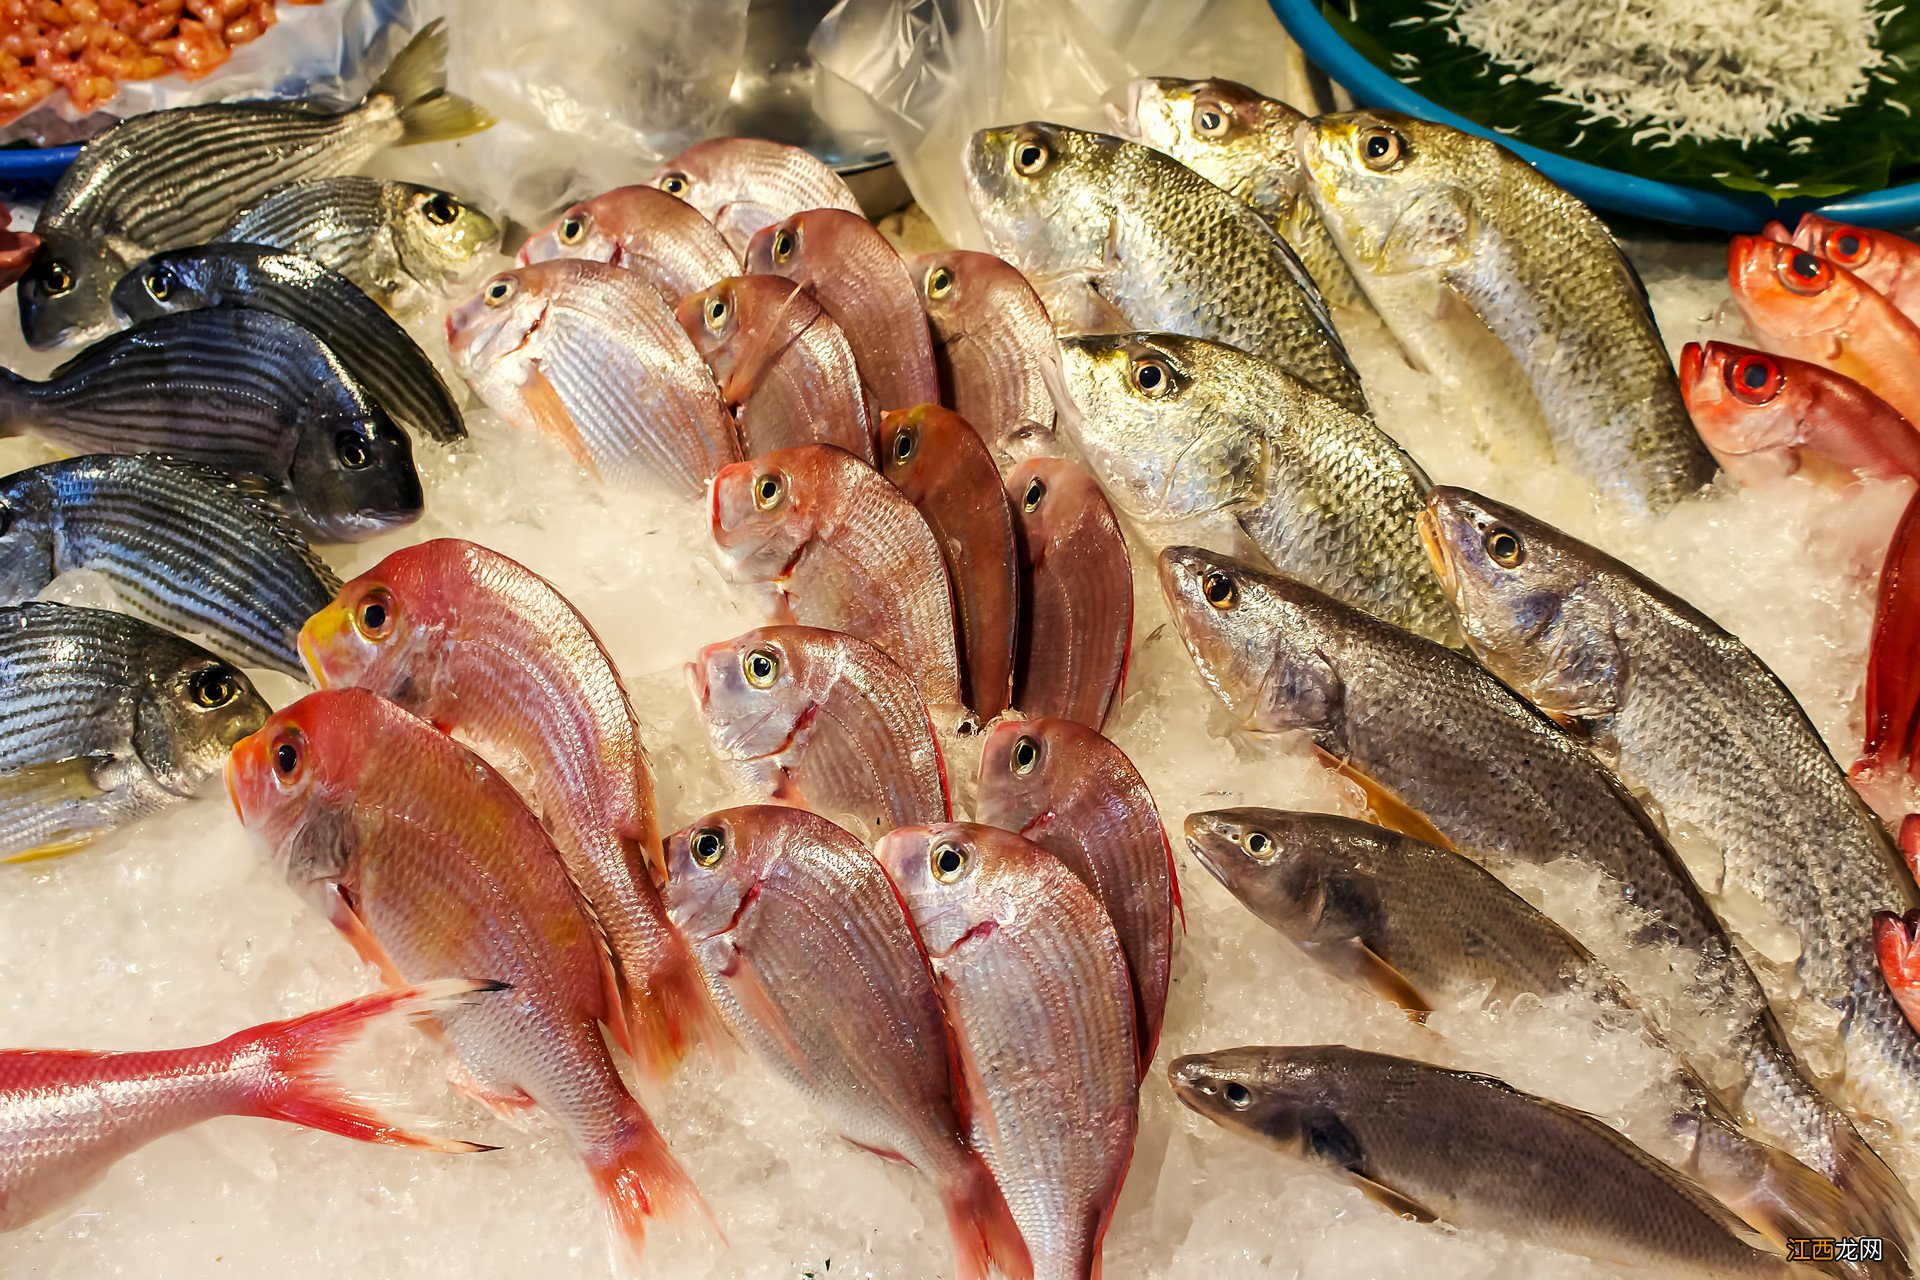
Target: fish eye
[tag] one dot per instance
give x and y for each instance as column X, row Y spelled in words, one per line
column 500, row 288
column 782, row 245
column 949, row 861
column 573, row 228
column 1804, row 273
column 905, row 445
column 1504, row 547
column 939, row 283
column 1030, row 156
column 1382, row 148
column 1847, row 248
column 761, row 667
column 675, row 184
column 159, row 287
column 56, row 278
column 373, row 616
column 1026, row 755
column 1209, row 119
column 1755, row 378
column 1152, row 377
column 1258, row 844
column 716, row 314
column 1238, row 1096
column 768, row 491
column 214, row 687
column 1036, row 490
column 441, row 209
column 709, row 845
column 288, row 756
column 1220, row 591
column 354, row 453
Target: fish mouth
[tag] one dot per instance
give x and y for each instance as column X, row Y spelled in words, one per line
column 1438, row 553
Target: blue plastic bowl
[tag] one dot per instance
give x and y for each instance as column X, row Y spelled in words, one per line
column 35, row 164
column 1603, row 188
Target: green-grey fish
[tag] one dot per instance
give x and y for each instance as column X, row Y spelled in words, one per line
column 402, row 243
column 1437, row 737
column 172, row 178
column 374, row 349
column 183, row 546
column 1473, row 1152
column 1410, row 201
column 1128, row 231
column 1242, row 142
column 244, row 391
column 1182, row 429
column 105, row 719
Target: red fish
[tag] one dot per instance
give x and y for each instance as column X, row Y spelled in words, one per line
column 66, row 1116
column 1887, row 262
column 859, row 278
column 433, row 867
column 644, row 230
column 1077, row 584
column 483, row 646
column 1766, row 417
column 1893, row 655
column 993, row 341
column 1896, row 941
column 943, row 467
column 744, row 184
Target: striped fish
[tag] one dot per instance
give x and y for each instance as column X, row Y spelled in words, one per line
column 400, row 242
column 245, row 391
column 182, row 545
column 105, row 719
column 375, row 350
column 173, row 178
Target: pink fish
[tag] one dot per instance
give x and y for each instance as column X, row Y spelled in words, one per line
column 743, row 184
column 640, row 229
column 993, row 342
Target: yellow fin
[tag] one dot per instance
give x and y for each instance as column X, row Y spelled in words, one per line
column 56, row 849
column 1365, row 965
column 45, row 787
column 1388, row 810
column 1382, row 1194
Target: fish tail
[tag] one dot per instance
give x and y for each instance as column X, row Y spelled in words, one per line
column 1771, row 1191
column 296, row 1087
column 1877, row 1202
column 1896, row 942
column 984, row 1233
column 416, row 80
column 669, row 1013
column 642, row 1180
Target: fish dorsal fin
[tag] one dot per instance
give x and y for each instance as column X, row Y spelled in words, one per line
column 1389, row 810
column 1369, row 967
column 769, row 342
column 259, row 496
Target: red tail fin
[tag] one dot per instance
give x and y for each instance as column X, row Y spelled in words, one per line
column 1893, row 692
column 294, row 1085
column 984, row 1233
column 642, row 1180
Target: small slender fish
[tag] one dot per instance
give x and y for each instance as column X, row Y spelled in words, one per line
column 1125, row 230
column 857, row 275
column 742, row 185
column 183, row 546
column 992, row 342
column 1804, row 306
column 1896, row 945
column 1035, row 987
column 166, row 179
column 589, row 354
column 108, row 719
column 643, row 230
column 1885, row 262
column 824, row 720
column 245, row 391
column 1766, row 417
column 943, row 467
column 1076, row 584
column 1076, row 795
column 846, row 551
column 403, row 244
column 1474, row 1152
column 70, row 1115
column 1893, row 677
column 480, row 645
column 814, row 963
column 783, row 365
column 1181, row 429
column 430, row 865
column 379, row 353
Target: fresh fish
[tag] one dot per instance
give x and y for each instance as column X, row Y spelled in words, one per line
column 1893, row 677
column 1803, row 306
column 589, row 354
column 1409, row 200
column 1076, row 582
column 71, row 1115
column 1241, row 142
column 992, row 342
column 166, row 179
column 108, row 719
column 1449, row 752
column 644, row 230
column 858, row 277
column 1474, row 1152
column 430, row 864
column 1076, row 795
column 1182, row 429
column 824, row 720
column 846, row 551
column 744, row 184
column 1887, row 263
column 1766, row 417
column 783, row 365
column 401, row 243
column 245, row 391
column 376, row 351
column 17, row 252
column 1036, row 990
column 1896, row 942
column 1692, row 718
column 817, row 968
column 482, row 646
column 1090, row 217
column 943, row 467
column 183, row 546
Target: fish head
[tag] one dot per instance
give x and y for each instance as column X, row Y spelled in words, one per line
column 164, row 283
column 958, row 287
column 1026, row 764
column 581, row 231
column 66, row 294
column 292, row 781
column 715, row 319
column 1226, row 132
column 1398, row 194
column 961, row 881
column 916, row 444
column 191, row 708
column 1534, row 602
column 1838, row 242
column 1265, row 1094
column 717, row 864
column 492, row 330
column 392, row 628
column 765, row 509
column 701, row 176
column 753, row 692
column 1745, row 406
column 1298, row 871
column 27, row 515
column 1165, row 421
column 1269, row 646
column 441, row 239
column 1790, row 295
column 798, row 243
column 1044, row 196
column 352, row 474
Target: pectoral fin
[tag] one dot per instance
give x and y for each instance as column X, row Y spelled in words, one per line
column 1366, row 966
column 543, row 404
column 1382, row 1194
column 1388, row 810
column 48, row 788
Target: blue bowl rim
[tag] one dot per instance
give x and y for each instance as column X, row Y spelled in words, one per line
column 44, row 164
column 1605, row 188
